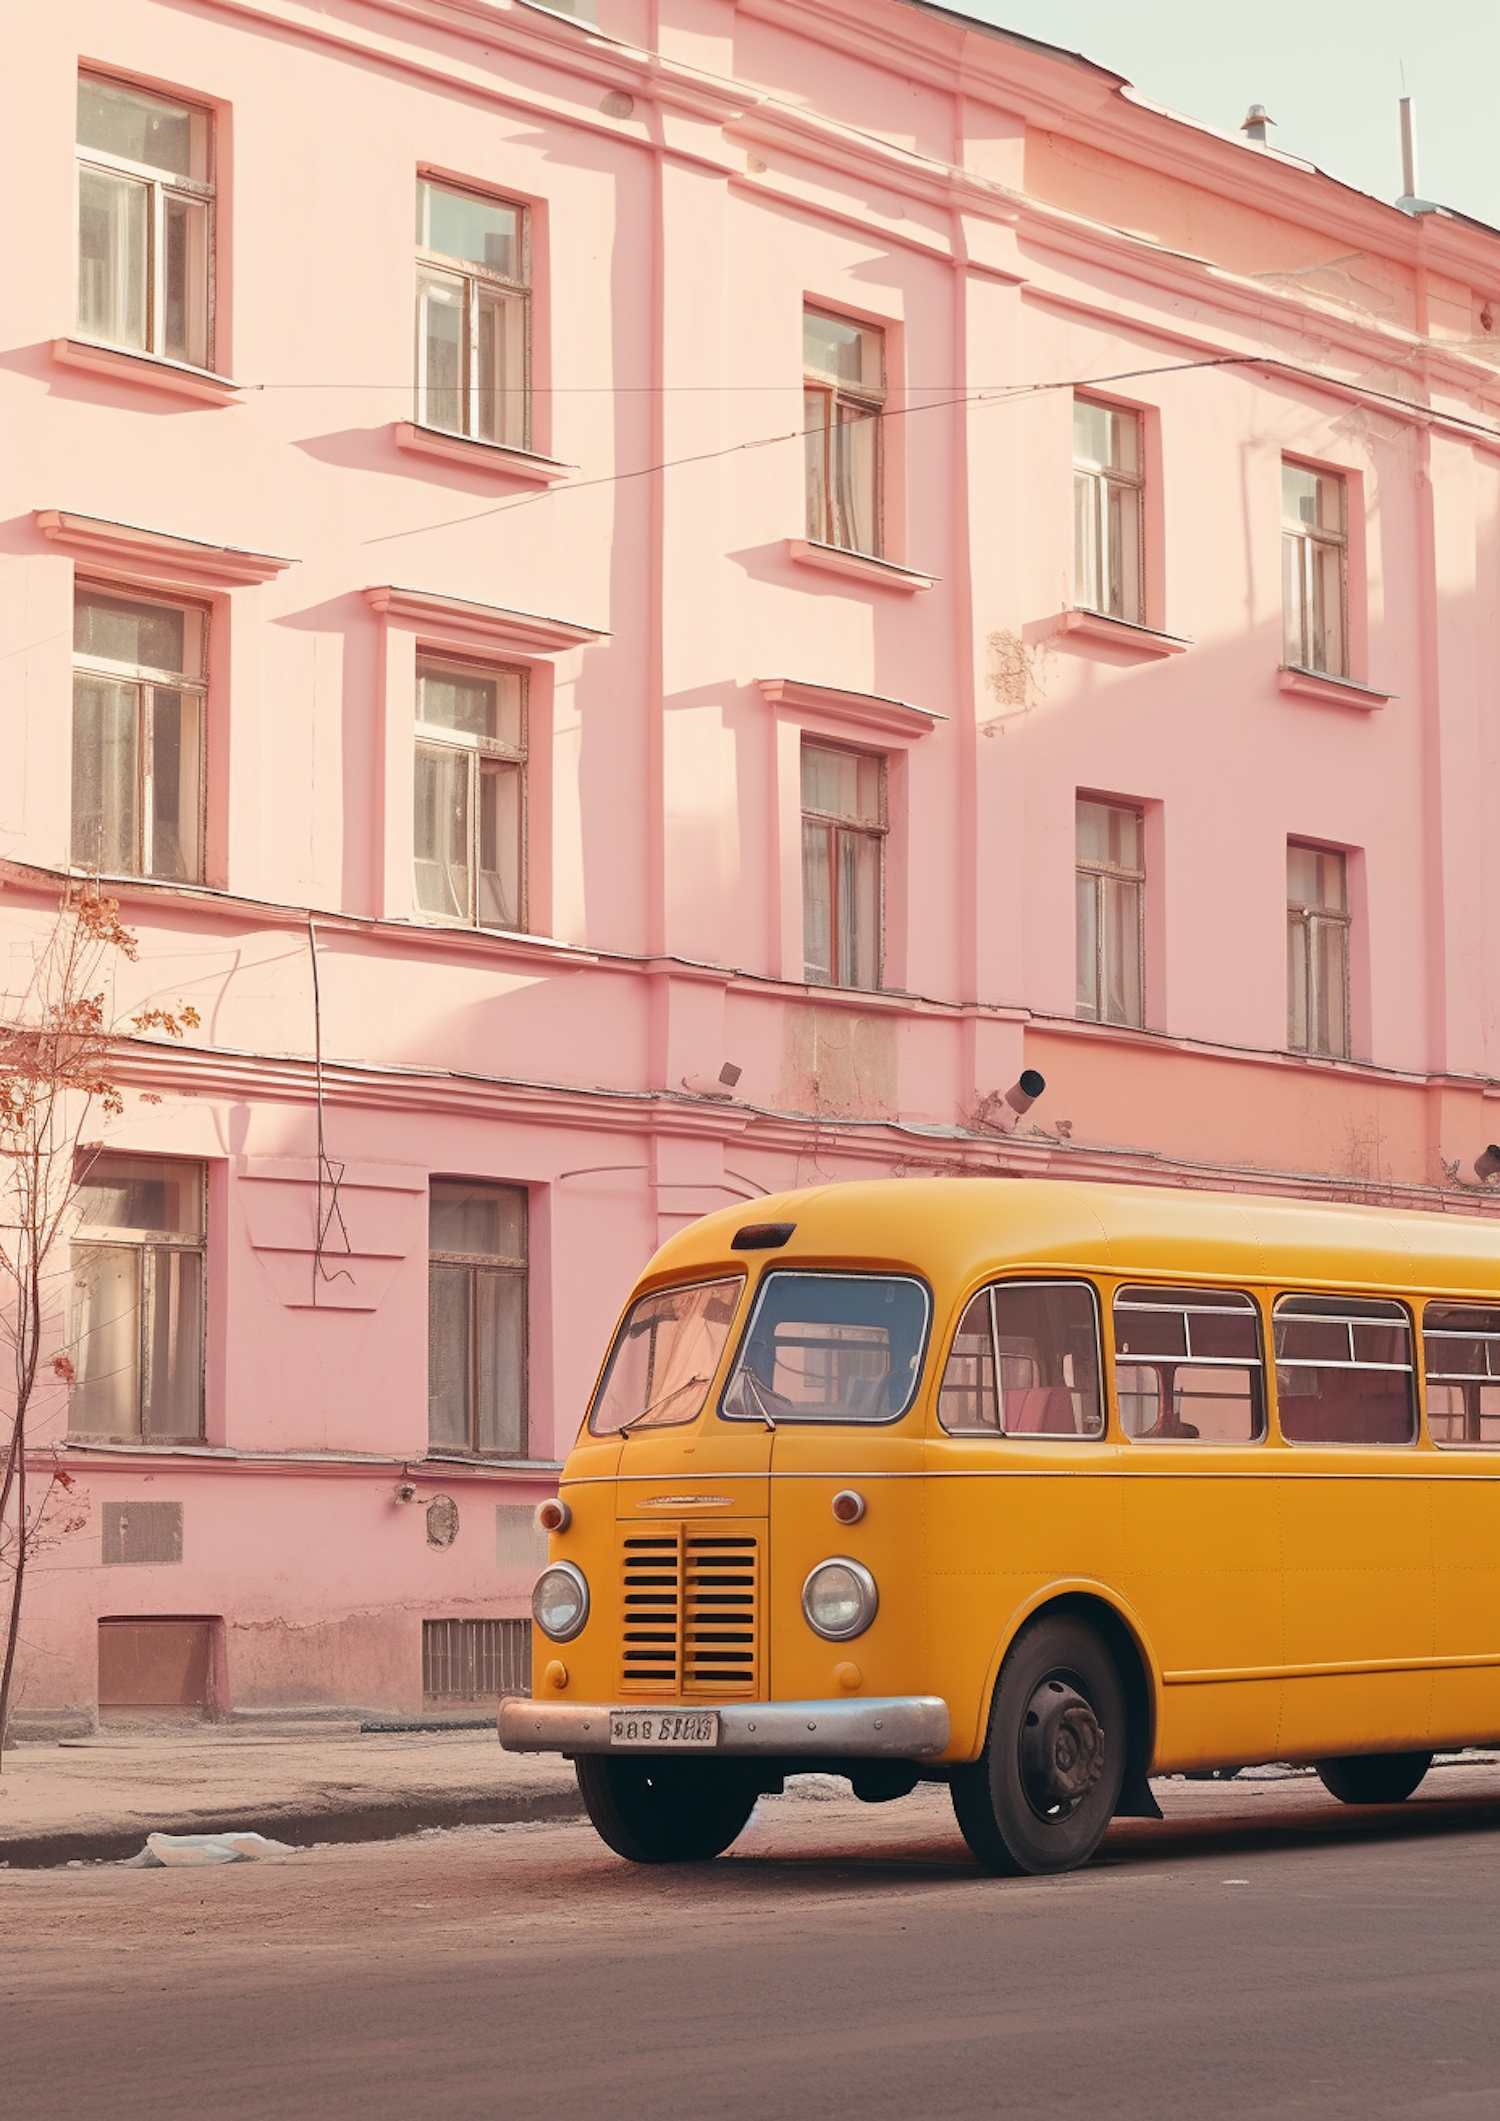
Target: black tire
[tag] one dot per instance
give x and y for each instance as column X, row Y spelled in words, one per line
column 654, row 1809
column 1373, row 1778
column 1043, row 1791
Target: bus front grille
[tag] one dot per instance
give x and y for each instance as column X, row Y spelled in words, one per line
column 691, row 1605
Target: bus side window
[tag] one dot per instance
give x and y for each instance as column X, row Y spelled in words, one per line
column 1343, row 1370
column 1462, row 1347
column 1025, row 1362
column 1188, row 1366
column 966, row 1398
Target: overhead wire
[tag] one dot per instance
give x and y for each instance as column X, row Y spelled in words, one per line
column 991, row 395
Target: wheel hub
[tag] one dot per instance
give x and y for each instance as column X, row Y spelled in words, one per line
column 1062, row 1749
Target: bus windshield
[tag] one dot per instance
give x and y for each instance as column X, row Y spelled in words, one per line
column 830, row 1347
column 665, row 1357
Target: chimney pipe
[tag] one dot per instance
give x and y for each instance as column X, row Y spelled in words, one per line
column 1408, row 148
column 1254, row 124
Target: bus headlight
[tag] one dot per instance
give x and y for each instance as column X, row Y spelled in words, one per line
column 839, row 1599
column 560, row 1602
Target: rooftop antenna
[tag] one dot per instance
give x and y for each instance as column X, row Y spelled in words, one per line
column 1254, row 124
column 1409, row 202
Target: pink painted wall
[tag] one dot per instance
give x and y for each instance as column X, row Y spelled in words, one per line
column 1011, row 219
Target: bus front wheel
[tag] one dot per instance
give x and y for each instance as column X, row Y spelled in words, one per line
column 1373, row 1778
column 1044, row 1789
column 652, row 1809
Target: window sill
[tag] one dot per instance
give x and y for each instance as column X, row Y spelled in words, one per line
column 150, row 371
column 858, row 566
column 484, row 1462
column 481, row 456
column 1337, row 692
column 1140, row 643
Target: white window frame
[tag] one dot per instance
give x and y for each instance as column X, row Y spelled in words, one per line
column 434, row 736
column 475, row 279
column 1316, row 921
column 835, row 825
column 161, row 189
column 1100, row 873
column 144, row 678
column 1304, row 547
column 1102, row 492
column 150, row 1244
column 837, row 400
column 499, row 1266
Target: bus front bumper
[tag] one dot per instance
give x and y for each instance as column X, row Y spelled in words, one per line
column 891, row 1727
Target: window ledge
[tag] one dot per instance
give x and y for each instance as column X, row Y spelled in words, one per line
column 1339, row 692
column 865, row 709
column 1138, row 642
column 529, row 632
column 158, row 556
column 481, row 456
column 176, row 378
column 859, row 566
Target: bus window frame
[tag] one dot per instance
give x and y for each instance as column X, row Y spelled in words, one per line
column 988, row 1286
column 830, row 1421
column 1255, row 1299
column 1416, row 1390
column 1451, row 1303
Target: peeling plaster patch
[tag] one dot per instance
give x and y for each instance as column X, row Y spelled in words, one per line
column 839, row 1065
column 1015, row 677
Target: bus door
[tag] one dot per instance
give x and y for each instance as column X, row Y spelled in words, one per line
column 1357, row 1581
column 1202, row 1549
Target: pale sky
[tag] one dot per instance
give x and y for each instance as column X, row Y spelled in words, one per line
column 1328, row 71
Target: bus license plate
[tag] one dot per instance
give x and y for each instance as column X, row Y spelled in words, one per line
column 657, row 1731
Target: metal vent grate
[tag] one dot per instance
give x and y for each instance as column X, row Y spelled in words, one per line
column 720, row 1619
column 652, row 1613
column 141, row 1532
column 475, row 1660
column 692, row 1612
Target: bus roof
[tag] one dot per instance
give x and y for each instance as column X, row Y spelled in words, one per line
column 955, row 1230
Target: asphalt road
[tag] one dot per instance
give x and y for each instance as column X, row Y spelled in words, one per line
column 1264, row 1953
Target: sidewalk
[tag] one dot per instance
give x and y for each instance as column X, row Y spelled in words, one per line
column 97, row 1798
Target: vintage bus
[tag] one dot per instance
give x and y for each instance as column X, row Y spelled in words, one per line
column 1033, row 1488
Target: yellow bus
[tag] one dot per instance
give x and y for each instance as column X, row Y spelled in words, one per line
column 1033, row 1488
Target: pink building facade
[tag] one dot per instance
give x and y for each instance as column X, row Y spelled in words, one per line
column 648, row 609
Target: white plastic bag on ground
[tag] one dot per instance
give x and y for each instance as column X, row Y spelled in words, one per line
column 181, row 1851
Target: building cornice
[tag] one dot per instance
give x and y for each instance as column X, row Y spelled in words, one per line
column 158, row 556
column 523, row 632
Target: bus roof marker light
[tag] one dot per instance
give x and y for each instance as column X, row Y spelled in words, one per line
column 761, row 1237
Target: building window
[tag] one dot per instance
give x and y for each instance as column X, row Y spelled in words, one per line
column 470, row 823
column 473, row 316
column 137, row 1325
column 1314, row 569
column 1317, row 951
column 843, row 834
column 843, row 392
column 139, row 677
column 145, row 222
column 1111, row 914
column 476, row 1322
column 1108, row 571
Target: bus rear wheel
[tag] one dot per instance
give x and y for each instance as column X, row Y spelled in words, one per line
column 1042, row 1793
column 654, row 1809
column 1373, row 1778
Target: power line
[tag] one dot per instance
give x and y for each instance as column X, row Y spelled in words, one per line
column 1004, row 393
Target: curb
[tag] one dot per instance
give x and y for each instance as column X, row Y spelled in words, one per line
column 303, row 1829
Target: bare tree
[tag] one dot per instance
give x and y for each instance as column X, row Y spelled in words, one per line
column 59, row 1045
